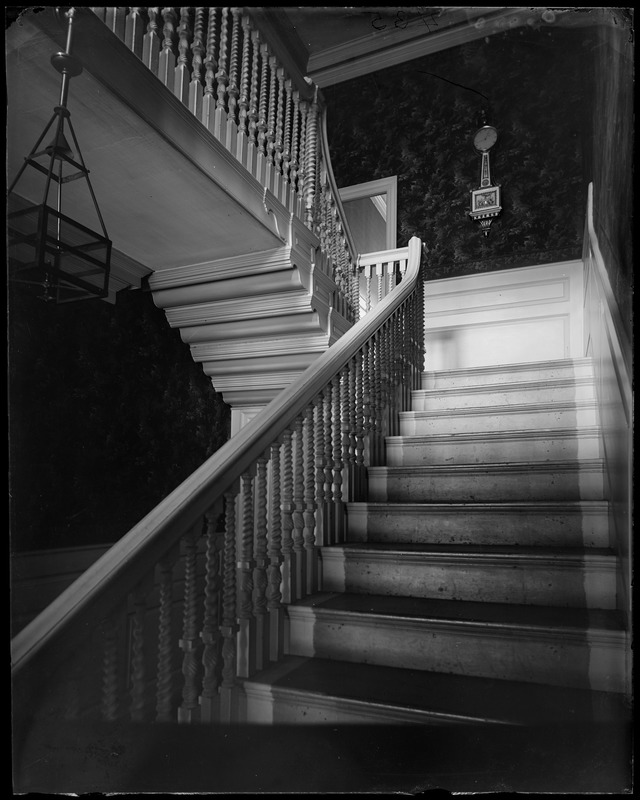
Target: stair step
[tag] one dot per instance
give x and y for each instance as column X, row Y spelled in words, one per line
column 581, row 648
column 548, row 480
column 526, row 371
column 323, row 691
column 500, row 418
column 561, row 390
column 479, row 448
column 550, row 576
column 568, row 524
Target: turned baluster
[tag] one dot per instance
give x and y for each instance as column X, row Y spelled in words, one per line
column 360, row 421
column 346, row 405
column 383, row 380
column 210, row 66
column 246, row 565
column 245, row 76
column 367, row 424
column 233, row 90
column 274, row 550
column 278, row 144
column 167, row 60
column 134, row 30
column 288, row 122
column 367, row 277
column 197, row 62
column 210, row 634
column 295, row 142
column 151, row 42
column 337, row 459
column 110, row 701
column 319, row 493
column 264, row 100
column 355, row 423
column 311, row 160
column 137, row 669
column 190, row 641
column 254, row 99
column 328, row 466
column 287, row 518
column 376, row 399
column 229, row 627
column 309, row 531
column 271, row 113
column 261, row 565
column 302, row 158
column 181, row 72
column 164, row 667
column 298, row 511
column 221, row 75
column 380, row 279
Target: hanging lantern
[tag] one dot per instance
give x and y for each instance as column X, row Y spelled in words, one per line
column 48, row 250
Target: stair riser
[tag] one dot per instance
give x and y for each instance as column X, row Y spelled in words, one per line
column 533, row 372
column 441, row 400
column 267, row 706
column 487, row 580
column 560, row 659
column 423, row 422
column 466, row 525
column 418, row 451
column 476, row 487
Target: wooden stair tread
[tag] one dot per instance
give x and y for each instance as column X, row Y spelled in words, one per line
column 454, row 697
column 545, row 552
column 500, row 466
column 464, row 611
column 510, row 506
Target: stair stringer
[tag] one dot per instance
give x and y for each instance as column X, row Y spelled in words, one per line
column 255, row 321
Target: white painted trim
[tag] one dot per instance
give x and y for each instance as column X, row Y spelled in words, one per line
column 121, row 567
column 376, row 52
column 388, row 186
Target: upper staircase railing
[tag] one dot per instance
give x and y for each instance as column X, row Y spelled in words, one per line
column 167, row 622
column 234, row 73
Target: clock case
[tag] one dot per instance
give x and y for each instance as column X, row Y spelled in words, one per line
column 485, row 201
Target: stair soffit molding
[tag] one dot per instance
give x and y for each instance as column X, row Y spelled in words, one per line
column 386, row 48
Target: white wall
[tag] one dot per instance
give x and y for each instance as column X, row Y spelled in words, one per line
column 508, row 316
column 608, row 344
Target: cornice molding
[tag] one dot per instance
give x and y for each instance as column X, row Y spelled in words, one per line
column 371, row 54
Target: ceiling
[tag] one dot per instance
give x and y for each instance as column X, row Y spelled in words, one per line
column 346, row 42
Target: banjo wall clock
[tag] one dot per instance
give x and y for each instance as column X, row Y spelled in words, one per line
column 485, row 201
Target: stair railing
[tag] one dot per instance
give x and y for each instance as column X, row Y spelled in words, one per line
column 164, row 625
column 234, row 73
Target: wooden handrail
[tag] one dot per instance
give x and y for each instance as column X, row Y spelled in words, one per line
column 120, row 568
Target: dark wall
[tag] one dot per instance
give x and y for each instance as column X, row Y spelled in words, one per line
column 107, row 414
column 613, row 138
column 401, row 121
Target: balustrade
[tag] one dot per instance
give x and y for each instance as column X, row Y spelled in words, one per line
column 227, row 73
column 209, row 572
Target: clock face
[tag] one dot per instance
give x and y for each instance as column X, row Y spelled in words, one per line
column 485, row 138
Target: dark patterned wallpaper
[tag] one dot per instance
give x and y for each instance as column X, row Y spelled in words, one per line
column 401, row 121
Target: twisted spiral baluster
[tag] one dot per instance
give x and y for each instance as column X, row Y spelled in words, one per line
column 210, row 634
column 274, row 595
column 164, row 671
column 229, row 626
column 190, row 641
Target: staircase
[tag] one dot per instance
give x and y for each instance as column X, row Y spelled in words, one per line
column 477, row 584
